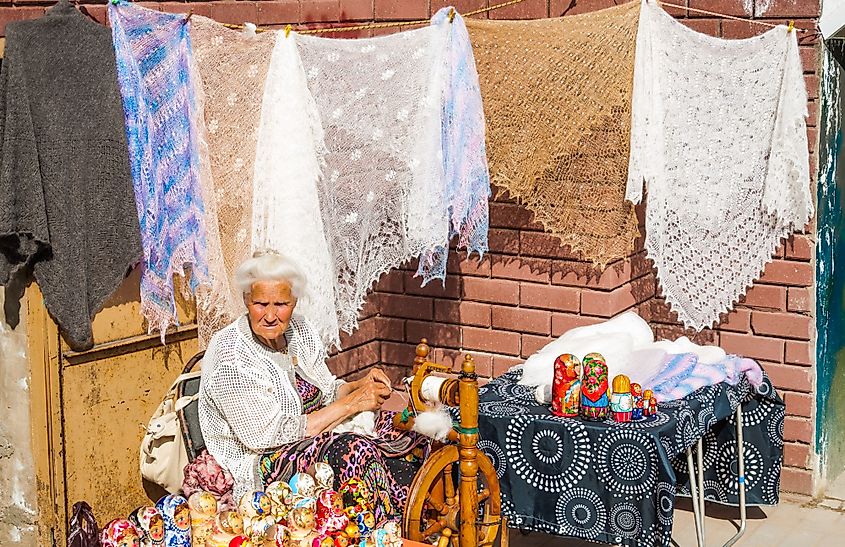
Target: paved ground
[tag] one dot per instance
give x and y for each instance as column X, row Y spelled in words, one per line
column 793, row 523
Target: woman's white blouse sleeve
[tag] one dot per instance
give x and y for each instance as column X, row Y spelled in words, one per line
column 263, row 415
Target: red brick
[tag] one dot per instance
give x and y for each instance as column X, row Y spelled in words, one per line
column 796, row 455
column 438, row 334
column 544, row 245
column 738, row 320
column 765, row 297
column 490, row 340
column 799, row 300
column 559, row 8
column 278, row 12
column 788, row 272
column 463, row 313
column 799, row 247
column 727, row 7
column 812, row 81
column 532, row 344
column 705, row 337
column 435, row 287
column 755, row 347
column 796, row 480
column 462, row 6
column 797, row 429
column 799, row 404
column 549, row 297
column 10, row 15
column 787, row 8
column 656, row 310
column 458, row 263
column 563, row 322
column 582, row 274
column 98, row 13
column 813, row 114
column 787, row 325
column 320, row 11
column 609, row 304
column 503, row 241
column 497, row 291
column 733, row 29
column 522, row 320
column 397, row 354
column 501, row 364
column 455, row 358
column 390, row 328
column 235, row 13
column 356, row 10
column 799, row 353
column 400, row 10
column 711, row 27
column 367, row 331
column 529, row 9
column 790, row 377
column 371, row 306
column 509, row 215
column 809, row 59
column 523, row 269
column 391, row 282
column 410, row 307
column 352, row 360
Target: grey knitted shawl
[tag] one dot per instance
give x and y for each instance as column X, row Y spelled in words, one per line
column 67, row 210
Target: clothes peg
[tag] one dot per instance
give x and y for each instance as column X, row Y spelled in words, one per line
column 287, row 30
column 791, row 26
column 451, row 14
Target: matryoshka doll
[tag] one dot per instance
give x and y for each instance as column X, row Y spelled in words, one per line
column 227, row 526
column 302, row 485
column 621, row 402
column 647, row 395
column 330, row 515
column 255, row 510
column 566, row 388
column 177, row 520
column 280, row 536
column 355, row 492
column 203, row 508
column 366, row 521
column 323, row 540
column 323, row 476
column 150, row 526
column 388, row 535
column 120, row 533
column 301, row 522
column 652, row 406
column 594, row 387
column 637, row 394
column 281, row 499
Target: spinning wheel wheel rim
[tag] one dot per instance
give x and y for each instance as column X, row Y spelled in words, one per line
column 428, row 498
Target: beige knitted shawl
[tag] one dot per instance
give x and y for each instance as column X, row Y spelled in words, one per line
column 557, row 97
column 233, row 67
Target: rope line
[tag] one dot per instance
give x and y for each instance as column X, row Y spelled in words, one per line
column 733, row 17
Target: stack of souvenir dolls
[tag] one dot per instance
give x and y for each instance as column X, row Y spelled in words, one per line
column 574, row 394
column 304, row 512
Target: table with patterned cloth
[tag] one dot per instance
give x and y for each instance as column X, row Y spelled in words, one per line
column 617, row 483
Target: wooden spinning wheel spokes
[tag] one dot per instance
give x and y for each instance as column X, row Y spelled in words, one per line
column 434, row 507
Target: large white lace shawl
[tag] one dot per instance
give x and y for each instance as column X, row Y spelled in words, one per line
column 288, row 165
column 719, row 136
column 382, row 196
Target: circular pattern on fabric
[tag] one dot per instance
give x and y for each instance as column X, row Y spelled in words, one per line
column 707, row 394
column 765, row 388
column 707, row 417
column 754, row 411
column 655, row 537
column 500, row 408
column 555, row 461
column 734, row 399
column 625, row 520
column 727, row 467
column 710, row 445
column 713, row 490
column 581, row 513
column 677, row 403
column 665, row 496
column 775, row 428
column 771, row 485
column 659, row 419
column 496, row 455
column 686, row 430
column 626, row 462
column 510, row 390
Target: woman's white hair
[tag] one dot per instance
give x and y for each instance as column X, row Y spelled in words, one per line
column 270, row 266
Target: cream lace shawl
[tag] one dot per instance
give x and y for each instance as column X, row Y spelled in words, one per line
column 718, row 135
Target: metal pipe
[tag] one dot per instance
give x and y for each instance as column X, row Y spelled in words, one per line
column 694, row 495
column 740, row 451
column 700, row 457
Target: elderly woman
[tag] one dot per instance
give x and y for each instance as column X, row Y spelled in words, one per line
column 268, row 403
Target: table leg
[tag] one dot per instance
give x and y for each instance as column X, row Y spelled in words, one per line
column 700, row 457
column 694, row 496
column 740, row 449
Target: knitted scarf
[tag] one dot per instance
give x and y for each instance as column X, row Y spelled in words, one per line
column 464, row 155
column 719, row 137
column 157, row 81
column 557, row 96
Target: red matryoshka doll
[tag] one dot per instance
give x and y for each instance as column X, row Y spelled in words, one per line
column 637, row 394
column 566, row 388
column 241, row 541
column 330, row 515
column 652, row 406
column 322, row 540
column 594, row 387
column 621, row 402
column 647, row 395
column 120, row 533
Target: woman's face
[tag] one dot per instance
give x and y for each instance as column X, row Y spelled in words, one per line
column 270, row 305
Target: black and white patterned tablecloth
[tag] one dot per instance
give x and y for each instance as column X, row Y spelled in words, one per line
column 617, row 483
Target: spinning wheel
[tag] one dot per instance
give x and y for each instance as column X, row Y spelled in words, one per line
column 455, row 495
column 435, row 504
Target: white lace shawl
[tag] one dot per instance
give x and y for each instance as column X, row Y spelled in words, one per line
column 382, row 196
column 248, row 401
column 718, row 135
column 288, row 165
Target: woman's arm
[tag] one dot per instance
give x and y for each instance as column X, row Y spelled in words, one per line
column 374, row 375
column 367, row 396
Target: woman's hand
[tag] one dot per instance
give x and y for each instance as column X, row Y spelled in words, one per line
column 369, row 396
column 377, row 375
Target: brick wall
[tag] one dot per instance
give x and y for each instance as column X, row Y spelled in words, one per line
column 529, row 289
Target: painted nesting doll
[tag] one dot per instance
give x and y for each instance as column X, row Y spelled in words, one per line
column 647, row 395
column 323, row 476
column 366, row 522
column 389, row 535
column 637, row 395
column 227, row 526
column 120, row 533
column 330, row 515
column 203, row 508
column 355, row 492
column 301, row 521
column 566, row 388
column 594, row 387
column 652, row 406
column 150, row 526
column 621, row 402
column 281, row 536
column 255, row 509
column 303, row 486
column 177, row 520
column 322, row 540
column 281, row 499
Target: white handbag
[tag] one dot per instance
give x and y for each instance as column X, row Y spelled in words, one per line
column 163, row 454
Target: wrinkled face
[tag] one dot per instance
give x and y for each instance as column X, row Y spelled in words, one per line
column 182, row 517
column 270, row 305
column 157, row 528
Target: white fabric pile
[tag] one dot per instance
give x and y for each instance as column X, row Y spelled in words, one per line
column 719, row 137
